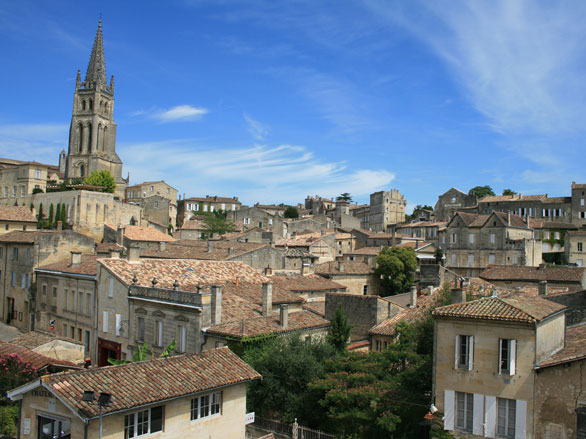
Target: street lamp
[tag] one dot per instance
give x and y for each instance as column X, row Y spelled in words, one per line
column 103, row 400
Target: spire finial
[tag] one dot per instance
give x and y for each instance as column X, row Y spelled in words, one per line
column 96, row 70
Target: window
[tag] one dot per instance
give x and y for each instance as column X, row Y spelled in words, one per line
column 492, row 258
column 546, row 247
column 471, row 238
column 515, row 259
column 464, row 406
column 579, row 246
column 105, row 322
column 246, row 220
column 453, row 259
column 454, row 238
column 158, row 333
column 80, row 302
column 37, row 173
column 140, row 329
column 13, row 279
column 23, row 281
column 22, row 191
column 156, row 204
column 506, row 413
column 111, row 287
column 582, row 202
column 556, row 235
column 181, row 338
column 464, row 352
column 143, row 422
column 507, row 356
column 492, row 238
column 118, row 324
column 54, row 428
column 14, row 254
column 206, row 405
column 365, row 290
column 152, row 188
column 546, row 235
column 470, row 259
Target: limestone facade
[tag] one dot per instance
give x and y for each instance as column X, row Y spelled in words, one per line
column 451, row 201
column 575, row 247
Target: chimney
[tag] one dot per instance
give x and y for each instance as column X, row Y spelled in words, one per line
column 120, row 236
column 133, row 254
column 162, row 246
column 115, row 254
column 509, row 218
column 341, row 266
column 210, row 246
column 267, row 299
column 542, row 288
column 59, row 226
column 284, row 317
column 413, row 296
column 458, row 295
column 230, row 251
column 268, row 271
column 216, row 304
column 75, row 258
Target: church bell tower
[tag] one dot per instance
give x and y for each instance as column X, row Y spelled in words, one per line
column 92, row 135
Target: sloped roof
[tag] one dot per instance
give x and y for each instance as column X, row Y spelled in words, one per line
column 141, row 233
column 17, row 214
column 301, row 283
column 24, row 237
column 38, row 361
column 532, row 274
column 87, row 266
column 34, row 339
column 146, row 382
column 409, row 314
column 365, row 251
column 214, row 199
column 193, row 224
column 574, row 350
column 350, row 267
column 106, row 247
column 220, row 250
column 513, row 309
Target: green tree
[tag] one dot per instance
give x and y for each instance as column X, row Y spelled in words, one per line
column 416, row 211
column 63, row 214
column 217, row 224
column 102, row 178
column 396, row 267
column 51, row 213
column 37, row 190
column 509, row 192
column 344, row 197
column 340, row 330
column 141, row 354
column 481, row 191
column 41, row 220
column 291, row 212
column 57, row 213
column 438, row 254
column 15, row 371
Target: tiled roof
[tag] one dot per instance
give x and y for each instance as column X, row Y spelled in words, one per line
column 518, row 197
column 88, row 265
column 214, row 199
column 106, row 247
column 557, row 200
column 408, row 315
column 146, row 382
column 300, row 283
column 479, row 220
column 186, row 249
column 193, row 224
column 340, row 235
column 17, row 213
column 517, row 308
column 21, row 236
column 318, row 308
column 38, row 361
column 575, row 348
column 36, row 338
column 533, row 274
column 269, row 325
column 542, row 224
column 188, row 272
column 141, row 233
column 350, row 267
column 365, row 251
column 577, row 233
column 578, row 185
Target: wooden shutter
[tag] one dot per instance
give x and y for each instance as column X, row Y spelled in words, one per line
column 449, row 410
column 470, row 352
column 512, row 357
column 521, row 419
column 478, row 415
column 490, row 416
column 500, row 355
column 105, row 322
column 456, row 351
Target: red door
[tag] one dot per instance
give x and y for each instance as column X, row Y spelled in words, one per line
column 108, row 349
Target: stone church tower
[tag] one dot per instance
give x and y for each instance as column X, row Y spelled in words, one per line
column 92, row 135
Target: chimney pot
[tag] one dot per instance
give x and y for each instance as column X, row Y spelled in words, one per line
column 267, row 299
column 341, row 266
column 284, row 317
column 542, row 288
column 75, row 258
column 210, row 246
column 133, row 254
column 162, row 246
column 458, row 295
column 59, row 226
column 268, row 271
column 115, row 254
column 216, row 304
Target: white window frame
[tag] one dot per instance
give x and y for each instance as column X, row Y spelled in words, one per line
column 492, row 258
column 134, row 418
column 507, row 356
column 464, row 411
column 181, row 338
column 118, row 324
column 110, row 287
column 506, row 416
column 471, row 238
column 205, row 406
column 159, row 329
column 492, row 238
column 464, row 352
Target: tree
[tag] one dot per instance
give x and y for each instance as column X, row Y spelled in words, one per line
column 37, row 190
column 51, row 213
column 481, row 191
column 509, row 192
column 217, row 224
column 141, row 354
column 438, row 255
column 63, row 214
column 291, row 212
column 344, row 197
column 340, row 331
column 15, row 371
column 396, row 266
column 102, row 178
column 41, row 220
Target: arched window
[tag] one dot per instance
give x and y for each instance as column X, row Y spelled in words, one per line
column 83, row 104
column 91, row 104
column 104, row 138
column 79, row 136
column 89, row 137
column 82, row 171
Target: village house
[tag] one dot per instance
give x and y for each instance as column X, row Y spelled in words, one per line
column 139, row 236
column 386, row 209
column 367, row 238
column 318, row 205
column 16, row 218
column 19, row 179
column 191, row 229
column 367, row 255
column 571, row 278
column 200, row 395
column 188, row 207
column 356, row 276
column 575, row 247
column 427, row 230
column 252, row 217
column 158, row 201
column 321, row 246
column 452, row 201
column 311, row 287
column 41, row 363
column 52, row 345
column 20, row 253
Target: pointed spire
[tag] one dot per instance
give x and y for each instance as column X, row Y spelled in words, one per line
column 96, row 70
column 78, row 80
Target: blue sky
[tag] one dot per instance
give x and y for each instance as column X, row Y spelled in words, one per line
column 271, row 101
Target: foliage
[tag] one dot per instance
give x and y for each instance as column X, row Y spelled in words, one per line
column 37, row 190
column 41, row 219
column 102, row 178
column 288, row 365
column 51, row 214
column 509, row 192
column 8, row 419
column 396, row 266
column 416, row 211
column 14, row 371
column 340, row 331
column 438, row 255
column 344, row 197
column 217, row 224
column 291, row 212
column 481, row 191
column 141, row 354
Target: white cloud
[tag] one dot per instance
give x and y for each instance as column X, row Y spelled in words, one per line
column 283, row 173
column 180, row 113
column 256, row 129
column 40, row 142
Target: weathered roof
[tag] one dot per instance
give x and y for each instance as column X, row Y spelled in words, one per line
column 350, row 268
column 146, row 382
column 309, row 282
column 517, row 197
column 17, row 213
column 87, row 266
column 318, row 308
column 185, row 249
column 141, row 233
column 517, row 308
column 365, row 251
column 193, row 224
column 21, row 236
column 408, row 315
column 533, row 274
column 574, row 350
column 106, row 247
column 36, row 338
column 38, row 361
column 215, row 199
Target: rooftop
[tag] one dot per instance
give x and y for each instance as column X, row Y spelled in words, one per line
column 300, row 283
column 17, row 214
column 34, row 339
column 186, row 249
column 575, row 348
column 533, row 274
column 38, row 361
column 141, row 233
column 350, row 267
column 87, row 266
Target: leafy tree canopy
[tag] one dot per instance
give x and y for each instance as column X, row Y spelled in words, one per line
column 509, row 192
column 416, row 211
column 217, row 224
column 481, row 191
column 344, row 197
column 340, row 331
column 396, row 266
column 291, row 212
column 102, row 178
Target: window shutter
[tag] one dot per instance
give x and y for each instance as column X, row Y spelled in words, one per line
column 470, row 352
column 500, row 355
column 449, row 410
column 490, row 416
column 456, row 349
column 478, row 415
column 105, row 322
column 521, row 419
column 513, row 357
column 118, row 323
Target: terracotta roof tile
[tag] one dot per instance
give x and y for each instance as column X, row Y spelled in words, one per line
column 214, row 199
column 17, row 213
column 300, row 283
column 365, row 251
column 141, row 233
column 106, row 247
column 147, row 382
column 38, row 361
column 186, row 249
column 532, row 274
column 408, row 315
column 88, row 265
column 318, row 308
column 34, row 339
column 193, row 224
column 22, row 236
column 350, row 267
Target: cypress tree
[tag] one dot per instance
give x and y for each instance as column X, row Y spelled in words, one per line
column 63, row 214
column 58, row 213
column 40, row 217
column 51, row 213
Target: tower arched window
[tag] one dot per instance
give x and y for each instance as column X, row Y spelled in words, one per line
column 105, row 138
column 82, row 171
column 83, row 104
column 91, row 104
column 89, row 137
column 79, row 136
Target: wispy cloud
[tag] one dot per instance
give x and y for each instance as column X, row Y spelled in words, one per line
column 40, row 142
column 256, row 129
column 179, row 113
column 283, row 173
